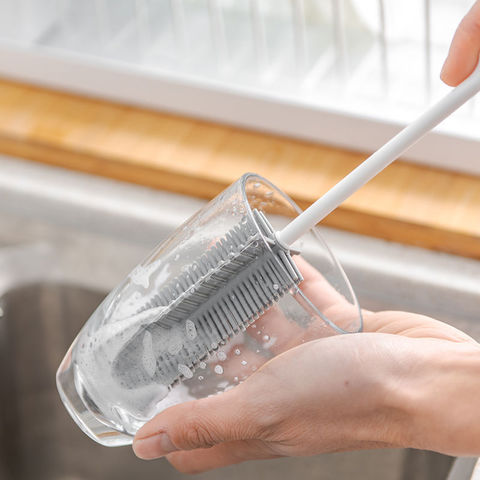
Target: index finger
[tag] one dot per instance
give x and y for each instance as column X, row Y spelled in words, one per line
column 465, row 48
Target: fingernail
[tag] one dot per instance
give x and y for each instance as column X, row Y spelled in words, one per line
column 153, row 447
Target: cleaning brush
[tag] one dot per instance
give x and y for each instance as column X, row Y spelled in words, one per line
column 214, row 298
column 244, row 273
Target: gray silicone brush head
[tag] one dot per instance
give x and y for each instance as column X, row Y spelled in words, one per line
column 217, row 296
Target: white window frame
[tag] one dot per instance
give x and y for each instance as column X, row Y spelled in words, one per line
column 332, row 117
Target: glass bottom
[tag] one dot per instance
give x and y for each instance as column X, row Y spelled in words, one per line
column 78, row 408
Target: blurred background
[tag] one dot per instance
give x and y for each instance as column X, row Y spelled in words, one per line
column 120, row 118
column 344, row 72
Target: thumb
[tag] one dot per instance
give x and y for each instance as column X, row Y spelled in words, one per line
column 196, row 424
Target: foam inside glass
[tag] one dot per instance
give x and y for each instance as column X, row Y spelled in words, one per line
column 111, row 412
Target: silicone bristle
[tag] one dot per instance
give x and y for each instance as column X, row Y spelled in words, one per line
column 221, row 293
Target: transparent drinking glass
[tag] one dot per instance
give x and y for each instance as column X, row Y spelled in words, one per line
column 109, row 378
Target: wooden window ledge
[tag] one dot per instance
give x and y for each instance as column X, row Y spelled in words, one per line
column 405, row 203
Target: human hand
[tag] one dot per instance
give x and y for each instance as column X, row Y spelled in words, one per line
column 464, row 50
column 375, row 389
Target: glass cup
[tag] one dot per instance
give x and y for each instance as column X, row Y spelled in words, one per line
column 109, row 379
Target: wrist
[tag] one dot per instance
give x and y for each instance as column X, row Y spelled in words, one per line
column 429, row 398
column 383, row 391
column 394, row 375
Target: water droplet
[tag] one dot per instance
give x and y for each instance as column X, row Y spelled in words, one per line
column 202, row 365
column 256, row 184
column 218, row 369
column 253, row 326
column 243, row 362
column 221, row 356
column 257, row 351
column 266, row 338
column 237, row 351
column 185, row 371
column 190, row 329
column 259, row 332
column 232, row 297
column 235, row 379
column 200, row 377
column 275, row 286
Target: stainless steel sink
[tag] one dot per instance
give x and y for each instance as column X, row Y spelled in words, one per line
column 66, row 239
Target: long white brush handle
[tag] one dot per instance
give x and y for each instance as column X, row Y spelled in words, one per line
column 380, row 159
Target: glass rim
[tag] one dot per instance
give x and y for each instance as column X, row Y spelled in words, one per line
column 243, row 183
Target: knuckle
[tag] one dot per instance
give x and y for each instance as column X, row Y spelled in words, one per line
column 199, row 435
column 195, row 431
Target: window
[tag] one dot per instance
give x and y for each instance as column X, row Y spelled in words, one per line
column 345, row 72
